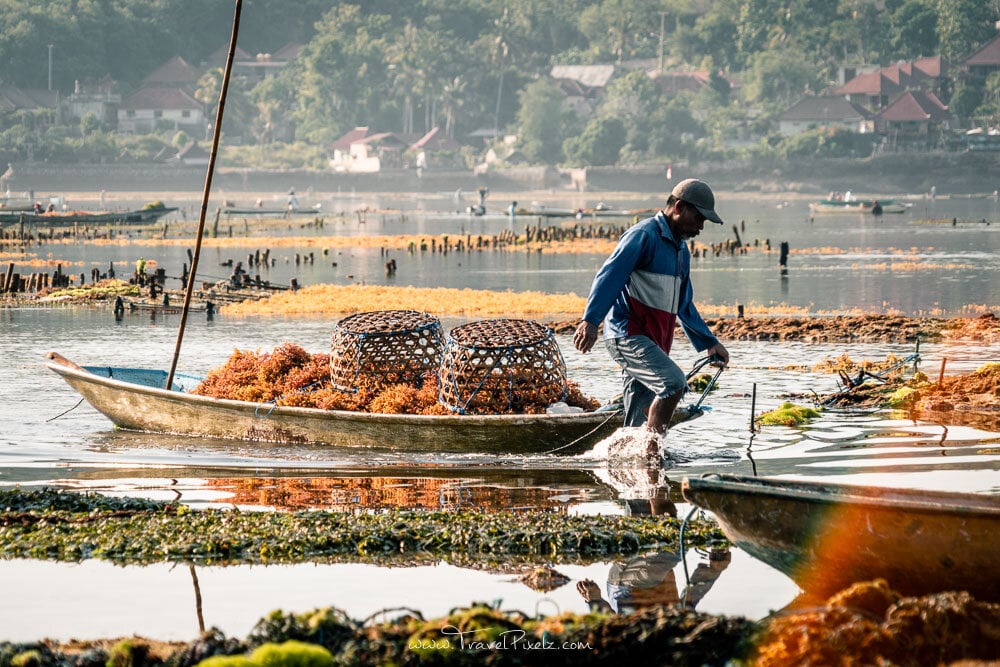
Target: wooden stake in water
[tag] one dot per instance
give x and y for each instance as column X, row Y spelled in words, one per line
column 216, row 135
column 944, row 360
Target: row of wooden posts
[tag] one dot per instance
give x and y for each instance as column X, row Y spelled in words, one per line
column 16, row 283
column 13, row 283
column 34, row 282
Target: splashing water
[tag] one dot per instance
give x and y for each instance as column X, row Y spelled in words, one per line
column 627, row 447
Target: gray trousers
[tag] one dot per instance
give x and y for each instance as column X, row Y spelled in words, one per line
column 647, row 373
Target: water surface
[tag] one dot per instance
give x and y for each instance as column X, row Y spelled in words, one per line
column 48, row 437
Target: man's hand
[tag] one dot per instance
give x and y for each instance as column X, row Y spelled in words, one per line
column 719, row 350
column 585, row 336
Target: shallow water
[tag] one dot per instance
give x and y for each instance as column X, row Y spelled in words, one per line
column 48, row 438
column 99, row 599
column 837, row 262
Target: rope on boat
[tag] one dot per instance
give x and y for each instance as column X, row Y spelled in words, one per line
column 308, row 389
column 61, row 414
column 611, row 414
column 256, row 411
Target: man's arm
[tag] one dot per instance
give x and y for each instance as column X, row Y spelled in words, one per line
column 607, row 285
column 585, row 336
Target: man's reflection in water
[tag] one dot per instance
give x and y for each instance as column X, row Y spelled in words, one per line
column 648, row 579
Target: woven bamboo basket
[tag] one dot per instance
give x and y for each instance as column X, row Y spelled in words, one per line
column 501, row 366
column 385, row 347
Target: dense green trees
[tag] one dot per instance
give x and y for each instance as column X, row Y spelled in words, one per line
column 544, row 121
column 472, row 64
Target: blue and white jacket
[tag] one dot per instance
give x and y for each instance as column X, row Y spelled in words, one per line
column 644, row 287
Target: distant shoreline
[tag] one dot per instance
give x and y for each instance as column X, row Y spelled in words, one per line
column 896, row 175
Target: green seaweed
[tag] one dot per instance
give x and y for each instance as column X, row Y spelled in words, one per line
column 291, row 654
column 128, row 653
column 71, row 527
column 227, row 661
column 788, row 414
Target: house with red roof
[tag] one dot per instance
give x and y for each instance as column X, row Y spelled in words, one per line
column 878, row 89
column 154, row 108
column 361, row 151
column 165, row 100
column 14, row 99
column 872, row 90
column 436, row 149
column 824, row 111
column 176, row 72
column 985, row 61
column 914, row 115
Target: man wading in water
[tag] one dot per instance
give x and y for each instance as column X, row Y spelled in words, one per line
column 640, row 293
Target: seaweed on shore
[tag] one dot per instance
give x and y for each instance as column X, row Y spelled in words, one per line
column 971, row 398
column 868, row 623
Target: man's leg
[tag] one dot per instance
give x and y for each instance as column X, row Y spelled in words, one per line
column 636, row 398
column 661, row 411
column 648, row 371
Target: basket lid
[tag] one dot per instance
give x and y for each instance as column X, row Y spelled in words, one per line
column 386, row 321
column 500, row 333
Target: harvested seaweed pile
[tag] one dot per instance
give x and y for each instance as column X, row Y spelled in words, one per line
column 858, row 328
column 979, row 390
column 869, row 624
column 971, row 394
column 289, row 375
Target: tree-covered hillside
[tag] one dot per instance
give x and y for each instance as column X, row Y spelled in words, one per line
column 464, row 65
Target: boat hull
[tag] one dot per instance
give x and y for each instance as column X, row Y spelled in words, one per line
column 828, row 536
column 856, row 207
column 139, row 407
column 140, row 216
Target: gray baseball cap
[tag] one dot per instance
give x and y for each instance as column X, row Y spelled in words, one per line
column 698, row 194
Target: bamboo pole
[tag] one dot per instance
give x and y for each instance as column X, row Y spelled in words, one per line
column 216, row 135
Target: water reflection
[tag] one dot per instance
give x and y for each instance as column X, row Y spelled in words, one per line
column 650, row 579
column 94, row 599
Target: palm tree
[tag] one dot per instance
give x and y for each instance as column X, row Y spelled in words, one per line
column 237, row 105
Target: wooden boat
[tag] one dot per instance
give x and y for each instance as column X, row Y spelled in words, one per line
column 60, row 218
column 827, row 536
column 853, row 205
column 134, row 399
column 230, row 211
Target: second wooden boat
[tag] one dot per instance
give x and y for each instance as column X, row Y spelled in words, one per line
column 827, row 536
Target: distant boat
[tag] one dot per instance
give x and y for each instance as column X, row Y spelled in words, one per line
column 585, row 213
column 270, row 212
column 827, row 536
column 849, row 204
column 58, row 218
